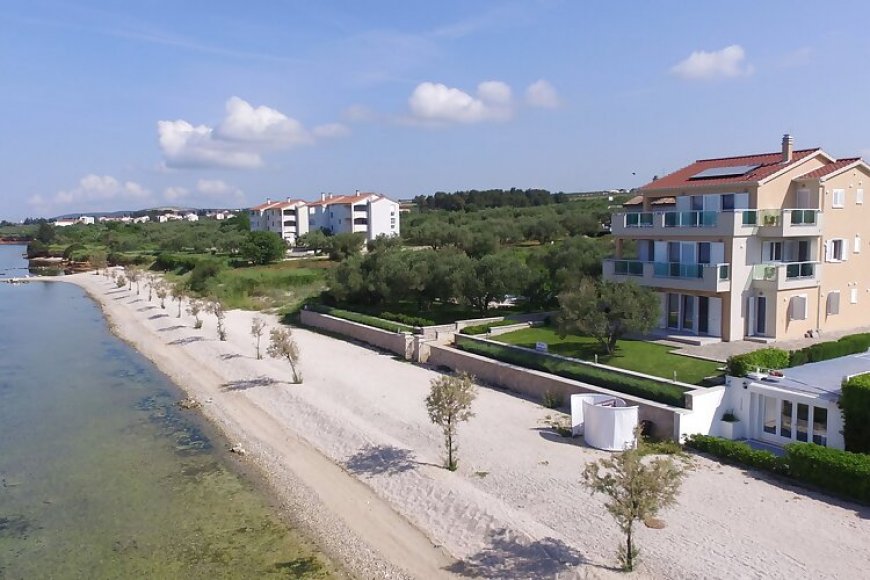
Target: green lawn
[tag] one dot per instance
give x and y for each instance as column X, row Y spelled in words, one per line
column 634, row 355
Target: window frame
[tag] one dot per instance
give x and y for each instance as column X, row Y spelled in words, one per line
column 838, row 194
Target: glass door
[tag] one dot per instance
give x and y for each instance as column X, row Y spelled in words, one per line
column 761, row 315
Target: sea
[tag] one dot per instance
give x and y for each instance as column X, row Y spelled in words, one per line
column 102, row 475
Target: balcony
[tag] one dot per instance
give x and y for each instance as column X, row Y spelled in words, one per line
column 778, row 223
column 785, row 275
column 786, row 223
column 670, row 275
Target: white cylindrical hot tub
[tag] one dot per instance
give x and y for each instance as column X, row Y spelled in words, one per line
column 605, row 422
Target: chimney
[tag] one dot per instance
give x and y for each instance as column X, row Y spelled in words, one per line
column 268, row 200
column 786, row 148
column 289, row 199
column 322, row 196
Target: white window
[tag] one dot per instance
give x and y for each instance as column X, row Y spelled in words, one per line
column 857, row 247
column 838, row 198
column 859, row 196
column 798, row 307
column 836, row 250
column 853, row 296
column 833, row 302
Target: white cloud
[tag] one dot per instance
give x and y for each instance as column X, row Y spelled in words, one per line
column 261, row 124
column 217, row 188
column 330, row 130
column 239, row 141
column 437, row 103
column 175, row 192
column 186, row 146
column 92, row 189
column 358, row 114
column 542, row 94
column 721, row 64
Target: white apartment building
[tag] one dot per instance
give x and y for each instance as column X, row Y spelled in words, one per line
column 288, row 219
column 370, row 213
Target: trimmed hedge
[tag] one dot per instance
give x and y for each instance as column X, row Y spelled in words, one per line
column 841, row 472
column 736, row 452
column 765, row 358
column 485, row 328
column 361, row 318
column 776, row 358
column 407, row 319
column 834, row 471
column 855, row 403
column 624, row 383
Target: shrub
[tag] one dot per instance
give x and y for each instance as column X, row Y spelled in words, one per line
column 650, row 389
column 797, row 358
column 840, row 472
column 765, row 358
column 175, row 262
column 202, row 272
column 485, row 328
column 855, row 403
column 736, row 452
column 407, row 319
column 361, row 318
column 552, row 400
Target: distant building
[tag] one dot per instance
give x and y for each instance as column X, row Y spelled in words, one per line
column 370, row 213
column 288, row 219
column 85, row 220
column 191, row 217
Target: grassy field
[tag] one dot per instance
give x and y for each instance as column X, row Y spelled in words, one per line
column 634, row 355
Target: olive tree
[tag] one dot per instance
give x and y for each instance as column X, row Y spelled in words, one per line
column 216, row 308
column 637, row 489
column 178, row 295
column 162, row 290
column 282, row 345
column 257, row 329
column 449, row 403
column 607, row 311
column 194, row 307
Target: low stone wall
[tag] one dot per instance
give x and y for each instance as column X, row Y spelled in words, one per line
column 665, row 419
column 401, row 343
column 496, row 330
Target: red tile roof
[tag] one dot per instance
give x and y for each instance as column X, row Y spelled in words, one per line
column 344, row 199
column 829, row 168
column 769, row 163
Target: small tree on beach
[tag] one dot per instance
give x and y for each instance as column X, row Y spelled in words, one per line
column 151, row 279
column 99, row 260
column 282, row 345
column 638, row 489
column 194, row 307
column 449, row 403
column 135, row 275
column 216, row 308
column 120, row 281
column 178, row 295
column 257, row 329
column 162, row 291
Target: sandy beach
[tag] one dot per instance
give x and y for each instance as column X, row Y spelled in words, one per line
column 354, row 459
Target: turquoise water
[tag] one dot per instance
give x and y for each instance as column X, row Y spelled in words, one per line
column 101, row 474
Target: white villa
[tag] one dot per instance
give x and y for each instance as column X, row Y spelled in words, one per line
column 288, row 219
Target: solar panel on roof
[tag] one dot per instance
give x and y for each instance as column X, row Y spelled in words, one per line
column 731, row 171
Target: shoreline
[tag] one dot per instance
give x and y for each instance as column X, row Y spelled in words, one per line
column 352, row 453
column 290, row 492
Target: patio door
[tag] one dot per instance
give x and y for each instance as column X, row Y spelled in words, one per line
column 761, row 315
column 703, row 315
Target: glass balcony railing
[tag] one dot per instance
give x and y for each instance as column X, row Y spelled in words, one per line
column 690, row 219
column 628, row 267
column 677, row 270
column 639, row 219
column 803, row 217
column 791, row 271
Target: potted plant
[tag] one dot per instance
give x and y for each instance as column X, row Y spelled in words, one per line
column 730, row 425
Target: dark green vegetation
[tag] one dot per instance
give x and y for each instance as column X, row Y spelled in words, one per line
column 633, row 355
column 374, row 321
column 261, row 248
column 855, row 403
column 841, row 473
column 776, row 358
column 485, row 328
column 480, row 222
column 650, row 389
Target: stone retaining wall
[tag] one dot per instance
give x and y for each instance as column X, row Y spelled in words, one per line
column 401, row 343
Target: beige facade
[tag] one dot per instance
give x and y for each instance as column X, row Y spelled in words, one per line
column 770, row 246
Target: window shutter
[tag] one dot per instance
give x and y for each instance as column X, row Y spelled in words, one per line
column 798, row 307
column 853, row 296
column 859, row 196
column 829, row 251
column 845, row 246
column 857, row 248
column 834, row 302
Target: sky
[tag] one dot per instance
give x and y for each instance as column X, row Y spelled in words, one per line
column 110, row 105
